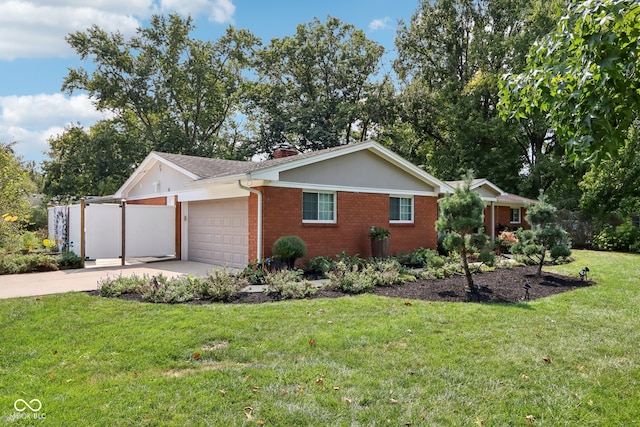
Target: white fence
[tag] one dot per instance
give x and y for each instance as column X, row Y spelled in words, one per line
column 149, row 231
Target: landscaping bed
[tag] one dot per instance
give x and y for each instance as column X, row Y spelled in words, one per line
column 504, row 285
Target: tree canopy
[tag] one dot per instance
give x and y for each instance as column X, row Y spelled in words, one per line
column 584, row 77
column 450, row 59
column 15, row 188
column 314, row 89
column 182, row 93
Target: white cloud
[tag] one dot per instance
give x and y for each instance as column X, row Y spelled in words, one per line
column 380, row 24
column 32, row 120
column 219, row 11
column 37, row 28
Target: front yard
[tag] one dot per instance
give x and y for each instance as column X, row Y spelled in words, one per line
column 568, row 359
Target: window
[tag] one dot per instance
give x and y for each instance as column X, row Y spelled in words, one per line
column 515, row 215
column 318, row 207
column 401, row 209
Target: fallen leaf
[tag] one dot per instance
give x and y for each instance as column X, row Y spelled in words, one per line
column 320, row 381
column 409, row 331
column 590, row 402
column 393, row 400
column 196, row 356
column 336, row 388
column 529, row 419
column 136, row 375
column 525, row 377
column 300, row 390
column 348, row 400
column 547, row 359
column 479, row 421
column 255, row 389
column 284, row 391
column 581, row 368
column 538, row 335
column 330, row 322
column 248, row 412
column 321, row 310
column 51, row 375
column 312, row 342
column 260, row 422
column 223, row 391
column 408, row 303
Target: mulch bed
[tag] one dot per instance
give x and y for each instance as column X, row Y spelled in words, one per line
column 499, row 286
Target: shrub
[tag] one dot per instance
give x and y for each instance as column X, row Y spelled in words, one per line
column 29, row 241
column 289, row 284
column 419, row 257
column 28, row 263
column 114, row 287
column 289, row 248
column 625, row 237
column 319, row 265
column 69, row 259
column 222, row 285
column 505, row 240
column 170, row 291
column 389, row 273
column 351, row 260
column 352, row 279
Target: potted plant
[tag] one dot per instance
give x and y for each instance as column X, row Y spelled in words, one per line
column 288, row 249
column 379, row 242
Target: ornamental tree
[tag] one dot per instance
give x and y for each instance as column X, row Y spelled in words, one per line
column 461, row 217
column 545, row 236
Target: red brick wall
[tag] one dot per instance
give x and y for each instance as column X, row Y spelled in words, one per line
column 356, row 213
column 503, row 217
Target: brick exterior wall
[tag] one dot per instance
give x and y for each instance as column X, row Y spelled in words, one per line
column 503, row 218
column 356, row 213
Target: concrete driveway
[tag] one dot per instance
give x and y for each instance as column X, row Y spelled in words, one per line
column 86, row 279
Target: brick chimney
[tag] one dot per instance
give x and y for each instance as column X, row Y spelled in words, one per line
column 284, row 150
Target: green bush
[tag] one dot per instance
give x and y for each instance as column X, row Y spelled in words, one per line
column 171, row 291
column 625, row 238
column 319, row 265
column 116, row 286
column 69, row 259
column 352, row 279
column 289, row 284
column 16, row 263
column 289, row 248
column 222, row 285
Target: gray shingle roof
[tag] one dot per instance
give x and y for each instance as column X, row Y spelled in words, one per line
column 207, row 168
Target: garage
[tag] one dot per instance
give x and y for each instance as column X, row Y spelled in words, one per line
column 218, row 232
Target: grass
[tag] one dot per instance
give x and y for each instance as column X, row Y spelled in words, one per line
column 363, row 360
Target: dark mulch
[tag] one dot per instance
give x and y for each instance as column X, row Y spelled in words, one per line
column 499, row 286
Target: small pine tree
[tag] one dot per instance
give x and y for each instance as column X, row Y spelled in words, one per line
column 545, row 236
column 461, row 216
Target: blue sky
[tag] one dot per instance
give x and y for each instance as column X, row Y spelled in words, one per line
column 34, row 57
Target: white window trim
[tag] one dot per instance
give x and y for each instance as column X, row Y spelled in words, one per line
column 413, row 210
column 519, row 221
column 322, row 221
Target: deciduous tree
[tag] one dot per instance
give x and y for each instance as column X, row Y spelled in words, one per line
column 184, row 93
column 584, row 77
column 315, row 88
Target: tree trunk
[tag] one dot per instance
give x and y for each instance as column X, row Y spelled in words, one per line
column 467, row 272
column 539, row 272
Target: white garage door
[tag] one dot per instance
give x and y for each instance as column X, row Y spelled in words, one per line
column 218, row 232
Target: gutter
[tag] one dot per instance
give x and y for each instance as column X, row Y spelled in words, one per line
column 259, row 194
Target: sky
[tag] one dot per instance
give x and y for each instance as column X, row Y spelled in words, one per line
column 35, row 58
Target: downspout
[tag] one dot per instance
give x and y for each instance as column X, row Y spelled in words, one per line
column 259, row 194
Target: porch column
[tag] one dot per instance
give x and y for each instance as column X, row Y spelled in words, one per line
column 493, row 222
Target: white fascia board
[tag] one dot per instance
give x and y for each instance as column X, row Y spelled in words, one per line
column 149, row 162
column 323, row 187
column 202, row 183
column 490, row 185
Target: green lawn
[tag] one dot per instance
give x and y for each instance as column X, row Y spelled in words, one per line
column 363, row 360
